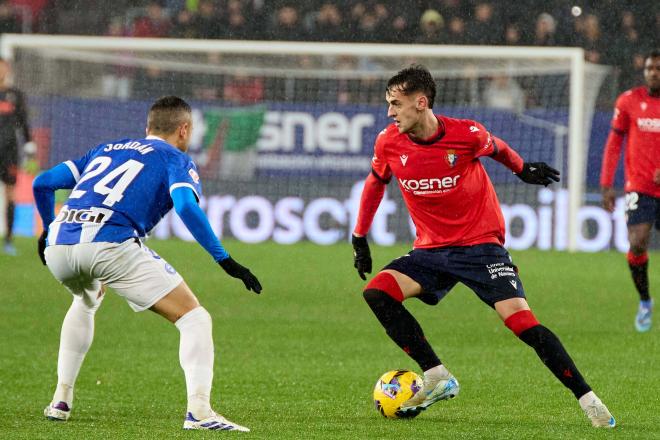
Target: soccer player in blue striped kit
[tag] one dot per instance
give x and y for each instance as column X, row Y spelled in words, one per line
column 120, row 190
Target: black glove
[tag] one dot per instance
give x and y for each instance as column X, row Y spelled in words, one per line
column 538, row 173
column 41, row 246
column 361, row 256
column 235, row 270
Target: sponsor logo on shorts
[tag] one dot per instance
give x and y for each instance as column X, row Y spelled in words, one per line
column 499, row 270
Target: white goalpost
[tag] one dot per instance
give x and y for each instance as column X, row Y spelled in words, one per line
column 309, row 112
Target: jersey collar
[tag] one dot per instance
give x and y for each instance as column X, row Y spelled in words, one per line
column 433, row 139
column 151, row 136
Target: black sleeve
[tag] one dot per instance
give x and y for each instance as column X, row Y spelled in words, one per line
column 22, row 116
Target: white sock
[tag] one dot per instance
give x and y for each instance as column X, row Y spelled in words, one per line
column 196, row 358
column 437, row 372
column 588, row 399
column 75, row 339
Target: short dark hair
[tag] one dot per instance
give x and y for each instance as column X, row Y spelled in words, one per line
column 414, row 78
column 655, row 53
column 167, row 114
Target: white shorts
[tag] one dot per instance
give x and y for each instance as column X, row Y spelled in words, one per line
column 132, row 270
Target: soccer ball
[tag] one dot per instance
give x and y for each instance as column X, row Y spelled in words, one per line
column 393, row 389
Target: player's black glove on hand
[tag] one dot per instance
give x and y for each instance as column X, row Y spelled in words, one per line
column 361, row 256
column 538, row 173
column 235, row 270
column 41, row 246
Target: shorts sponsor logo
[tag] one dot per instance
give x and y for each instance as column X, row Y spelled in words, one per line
column 500, row 270
column 79, row 216
column 429, row 186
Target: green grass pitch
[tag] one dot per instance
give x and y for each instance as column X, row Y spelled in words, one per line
column 300, row 360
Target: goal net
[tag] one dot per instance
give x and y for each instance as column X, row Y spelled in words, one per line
column 283, row 132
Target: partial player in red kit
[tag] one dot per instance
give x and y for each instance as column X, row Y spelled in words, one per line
column 637, row 119
column 460, row 232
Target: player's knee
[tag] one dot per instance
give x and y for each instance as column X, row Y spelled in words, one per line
column 383, row 283
column 521, row 321
column 197, row 316
column 85, row 305
column 637, row 255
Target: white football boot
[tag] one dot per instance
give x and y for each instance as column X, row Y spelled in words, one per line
column 435, row 390
column 212, row 423
column 60, row 412
column 598, row 413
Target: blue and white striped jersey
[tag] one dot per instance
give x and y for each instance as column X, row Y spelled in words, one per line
column 122, row 191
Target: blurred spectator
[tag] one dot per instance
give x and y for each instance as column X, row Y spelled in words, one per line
column 625, row 48
column 154, row 23
column 632, row 70
column 382, row 13
column 207, row 86
column 327, row 23
column 116, row 81
column 503, row 92
column 456, row 33
column 33, row 9
column 176, row 6
column 400, row 31
column 452, row 8
column 368, row 28
column 431, row 28
column 512, row 35
column 243, row 89
column 207, row 22
column 287, row 25
column 484, row 29
column 184, row 25
column 544, row 31
column 152, row 81
column 357, row 11
column 593, row 40
column 8, row 22
column 238, row 27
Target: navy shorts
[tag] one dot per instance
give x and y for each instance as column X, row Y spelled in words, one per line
column 642, row 208
column 487, row 269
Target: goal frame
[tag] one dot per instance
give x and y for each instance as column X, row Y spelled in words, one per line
column 577, row 126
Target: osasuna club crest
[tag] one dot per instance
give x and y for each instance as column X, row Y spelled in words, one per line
column 451, row 157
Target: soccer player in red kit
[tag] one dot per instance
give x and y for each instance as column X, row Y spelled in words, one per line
column 460, row 232
column 637, row 118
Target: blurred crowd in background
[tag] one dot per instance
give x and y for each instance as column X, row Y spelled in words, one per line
column 613, row 32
